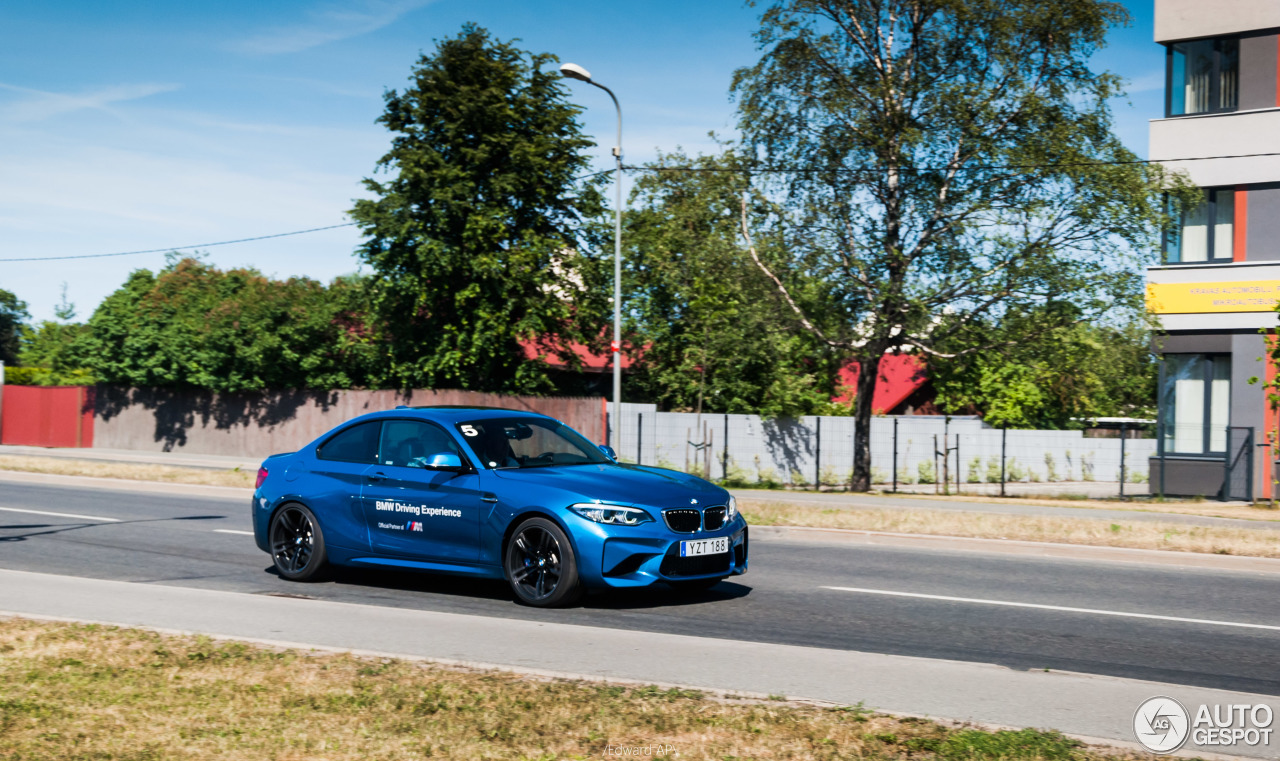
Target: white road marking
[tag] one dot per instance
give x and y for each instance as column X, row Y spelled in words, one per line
column 232, row 531
column 1060, row 608
column 61, row 515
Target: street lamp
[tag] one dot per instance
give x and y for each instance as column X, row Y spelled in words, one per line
column 574, row 71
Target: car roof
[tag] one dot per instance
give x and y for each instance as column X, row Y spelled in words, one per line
column 456, row 413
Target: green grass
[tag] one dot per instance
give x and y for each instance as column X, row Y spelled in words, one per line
column 92, row 693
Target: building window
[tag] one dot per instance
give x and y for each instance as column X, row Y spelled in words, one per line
column 1195, row 397
column 1203, row 77
column 1204, row 232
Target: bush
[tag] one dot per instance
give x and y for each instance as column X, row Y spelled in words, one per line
column 1015, row 472
column 737, row 476
column 904, row 477
column 993, row 470
column 43, row 376
column 878, row 476
column 1050, row 468
column 768, row 477
column 1086, row 467
column 927, row 473
column 974, row 475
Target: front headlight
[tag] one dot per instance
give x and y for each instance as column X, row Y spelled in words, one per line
column 613, row 515
column 732, row 510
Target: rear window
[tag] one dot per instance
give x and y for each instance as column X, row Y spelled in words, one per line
column 359, row 443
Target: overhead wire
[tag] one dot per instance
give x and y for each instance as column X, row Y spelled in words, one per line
column 757, row 170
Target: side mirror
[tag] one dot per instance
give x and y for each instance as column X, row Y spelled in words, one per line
column 444, row 461
column 608, row 452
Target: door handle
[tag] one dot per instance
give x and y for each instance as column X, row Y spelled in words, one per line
column 376, row 476
column 488, row 498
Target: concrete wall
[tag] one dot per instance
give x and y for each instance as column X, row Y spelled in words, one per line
column 261, row 424
column 1189, row 19
column 798, row 451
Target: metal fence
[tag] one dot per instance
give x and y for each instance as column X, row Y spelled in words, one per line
column 908, row 453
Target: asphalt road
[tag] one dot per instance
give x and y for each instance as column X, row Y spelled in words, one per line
column 786, row 598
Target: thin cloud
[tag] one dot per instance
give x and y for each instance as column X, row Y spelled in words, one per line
column 327, row 24
column 1151, row 80
column 39, row 105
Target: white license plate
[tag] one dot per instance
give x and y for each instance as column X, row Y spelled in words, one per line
column 704, row 547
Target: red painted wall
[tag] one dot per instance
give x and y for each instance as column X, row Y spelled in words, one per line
column 40, row 416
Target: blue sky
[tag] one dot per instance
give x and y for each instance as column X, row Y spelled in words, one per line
column 130, row 125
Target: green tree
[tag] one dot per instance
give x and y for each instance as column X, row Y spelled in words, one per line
column 13, row 315
column 715, row 332
column 57, row 352
column 479, row 238
column 193, row 325
column 1057, row 378
column 943, row 162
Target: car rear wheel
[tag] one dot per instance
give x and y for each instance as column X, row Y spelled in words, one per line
column 297, row 544
column 540, row 565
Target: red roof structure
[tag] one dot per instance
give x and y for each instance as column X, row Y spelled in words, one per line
column 900, row 376
column 545, row 349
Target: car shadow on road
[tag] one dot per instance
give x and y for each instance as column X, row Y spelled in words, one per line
column 662, row 596
column 659, row 596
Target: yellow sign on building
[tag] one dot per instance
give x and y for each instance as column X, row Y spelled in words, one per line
column 1195, row 298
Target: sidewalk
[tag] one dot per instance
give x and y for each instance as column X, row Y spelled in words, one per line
column 137, row 457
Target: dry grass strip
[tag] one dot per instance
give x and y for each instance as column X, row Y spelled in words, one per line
column 79, row 692
column 1260, row 511
column 127, row 471
column 1146, row 535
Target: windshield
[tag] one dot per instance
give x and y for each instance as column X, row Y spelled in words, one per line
column 528, row 443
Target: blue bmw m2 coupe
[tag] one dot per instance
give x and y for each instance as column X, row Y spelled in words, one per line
column 492, row 493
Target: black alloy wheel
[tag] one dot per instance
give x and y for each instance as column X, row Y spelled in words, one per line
column 297, row 544
column 540, row 565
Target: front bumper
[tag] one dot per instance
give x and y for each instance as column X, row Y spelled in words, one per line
column 637, row 556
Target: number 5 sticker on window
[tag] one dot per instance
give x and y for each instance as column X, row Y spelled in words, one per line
column 469, row 430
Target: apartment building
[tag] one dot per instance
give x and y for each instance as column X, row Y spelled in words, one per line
column 1217, row 286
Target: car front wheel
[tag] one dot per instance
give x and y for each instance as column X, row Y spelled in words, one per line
column 540, row 565
column 297, row 544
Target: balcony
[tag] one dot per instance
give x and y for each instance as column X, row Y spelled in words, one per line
column 1230, row 134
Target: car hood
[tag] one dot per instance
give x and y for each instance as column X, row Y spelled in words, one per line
column 620, row 484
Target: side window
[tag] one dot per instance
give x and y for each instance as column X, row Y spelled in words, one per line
column 359, row 443
column 407, row 443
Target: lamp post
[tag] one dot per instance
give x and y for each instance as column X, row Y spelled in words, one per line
column 574, row 71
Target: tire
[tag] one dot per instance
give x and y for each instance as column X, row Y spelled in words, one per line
column 297, row 544
column 540, row 565
column 695, row 585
